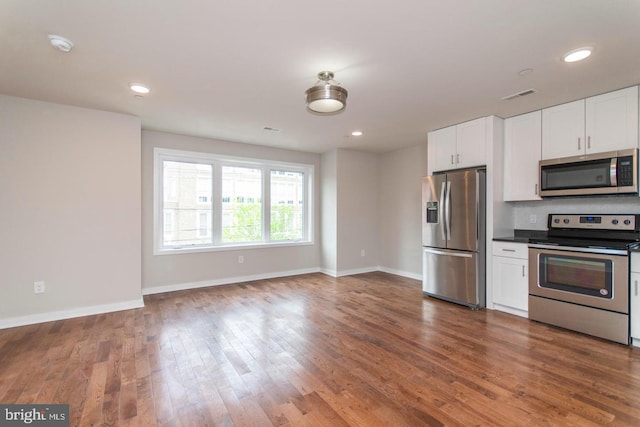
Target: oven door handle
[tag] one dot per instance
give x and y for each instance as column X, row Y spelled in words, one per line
column 603, row 251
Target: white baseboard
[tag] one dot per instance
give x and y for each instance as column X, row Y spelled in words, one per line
column 416, row 276
column 51, row 316
column 356, row 271
column 341, row 273
column 334, row 273
column 226, row 281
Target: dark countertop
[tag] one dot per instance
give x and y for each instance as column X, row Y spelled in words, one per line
column 521, row 236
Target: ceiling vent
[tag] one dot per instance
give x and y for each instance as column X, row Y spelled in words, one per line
column 519, row 94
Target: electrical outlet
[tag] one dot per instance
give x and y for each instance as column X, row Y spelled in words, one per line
column 362, row 252
column 533, row 219
column 241, row 259
column 38, row 287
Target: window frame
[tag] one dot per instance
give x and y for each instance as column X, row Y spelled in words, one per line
column 217, row 162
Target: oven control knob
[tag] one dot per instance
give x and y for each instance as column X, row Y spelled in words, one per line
column 557, row 221
column 614, row 222
column 566, row 220
column 627, row 221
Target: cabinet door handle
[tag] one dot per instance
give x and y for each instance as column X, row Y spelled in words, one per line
column 457, row 158
column 589, row 142
column 523, row 271
column 452, row 159
column 508, row 250
column 536, row 190
column 578, row 143
column 635, row 292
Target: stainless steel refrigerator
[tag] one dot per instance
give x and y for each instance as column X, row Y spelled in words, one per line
column 453, row 236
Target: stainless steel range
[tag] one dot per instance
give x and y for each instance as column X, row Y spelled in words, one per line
column 579, row 273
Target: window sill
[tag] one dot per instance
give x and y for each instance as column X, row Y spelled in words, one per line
column 222, row 248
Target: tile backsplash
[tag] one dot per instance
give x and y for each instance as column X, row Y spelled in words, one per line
column 524, row 212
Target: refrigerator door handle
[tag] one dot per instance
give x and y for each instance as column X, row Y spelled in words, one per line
column 448, row 209
column 442, row 212
column 449, row 253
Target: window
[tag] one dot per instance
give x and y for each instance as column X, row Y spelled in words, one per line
column 287, row 218
column 208, row 202
column 180, row 202
column 242, row 219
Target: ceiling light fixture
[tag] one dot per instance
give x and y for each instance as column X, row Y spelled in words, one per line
column 326, row 96
column 140, row 89
column 357, row 133
column 577, row 54
column 60, row 43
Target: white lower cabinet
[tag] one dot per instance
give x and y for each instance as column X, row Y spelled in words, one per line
column 635, row 299
column 511, row 278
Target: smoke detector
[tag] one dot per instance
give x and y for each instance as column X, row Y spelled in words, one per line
column 62, row 44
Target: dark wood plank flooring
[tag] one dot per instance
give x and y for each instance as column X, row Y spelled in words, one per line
column 363, row 350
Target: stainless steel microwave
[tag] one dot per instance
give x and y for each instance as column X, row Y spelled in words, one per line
column 614, row 172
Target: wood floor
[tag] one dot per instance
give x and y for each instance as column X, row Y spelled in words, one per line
column 363, row 350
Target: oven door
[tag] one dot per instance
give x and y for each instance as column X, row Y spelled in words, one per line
column 590, row 277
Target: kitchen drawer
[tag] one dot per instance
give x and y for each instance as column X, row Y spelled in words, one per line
column 511, row 250
column 635, row 262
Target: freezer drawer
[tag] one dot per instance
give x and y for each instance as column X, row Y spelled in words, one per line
column 455, row 276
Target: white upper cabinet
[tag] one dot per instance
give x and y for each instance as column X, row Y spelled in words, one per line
column 612, row 121
column 563, row 130
column 441, row 149
column 459, row 146
column 522, row 151
column 598, row 124
column 471, row 139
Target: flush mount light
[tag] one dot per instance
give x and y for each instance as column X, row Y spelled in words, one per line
column 357, row 133
column 326, row 96
column 577, row 54
column 60, row 43
column 139, row 89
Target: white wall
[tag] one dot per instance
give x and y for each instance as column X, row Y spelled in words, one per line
column 358, row 204
column 70, row 211
column 400, row 173
column 329, row 198
column 188, row 270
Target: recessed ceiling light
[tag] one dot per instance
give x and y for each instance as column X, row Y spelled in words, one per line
column 138, row 88
column 357, row 133
column 60, row 43
column 577, row 54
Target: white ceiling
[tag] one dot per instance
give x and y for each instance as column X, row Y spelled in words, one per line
column 225, row 69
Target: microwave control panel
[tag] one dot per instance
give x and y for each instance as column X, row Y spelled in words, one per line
column 625, row 171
